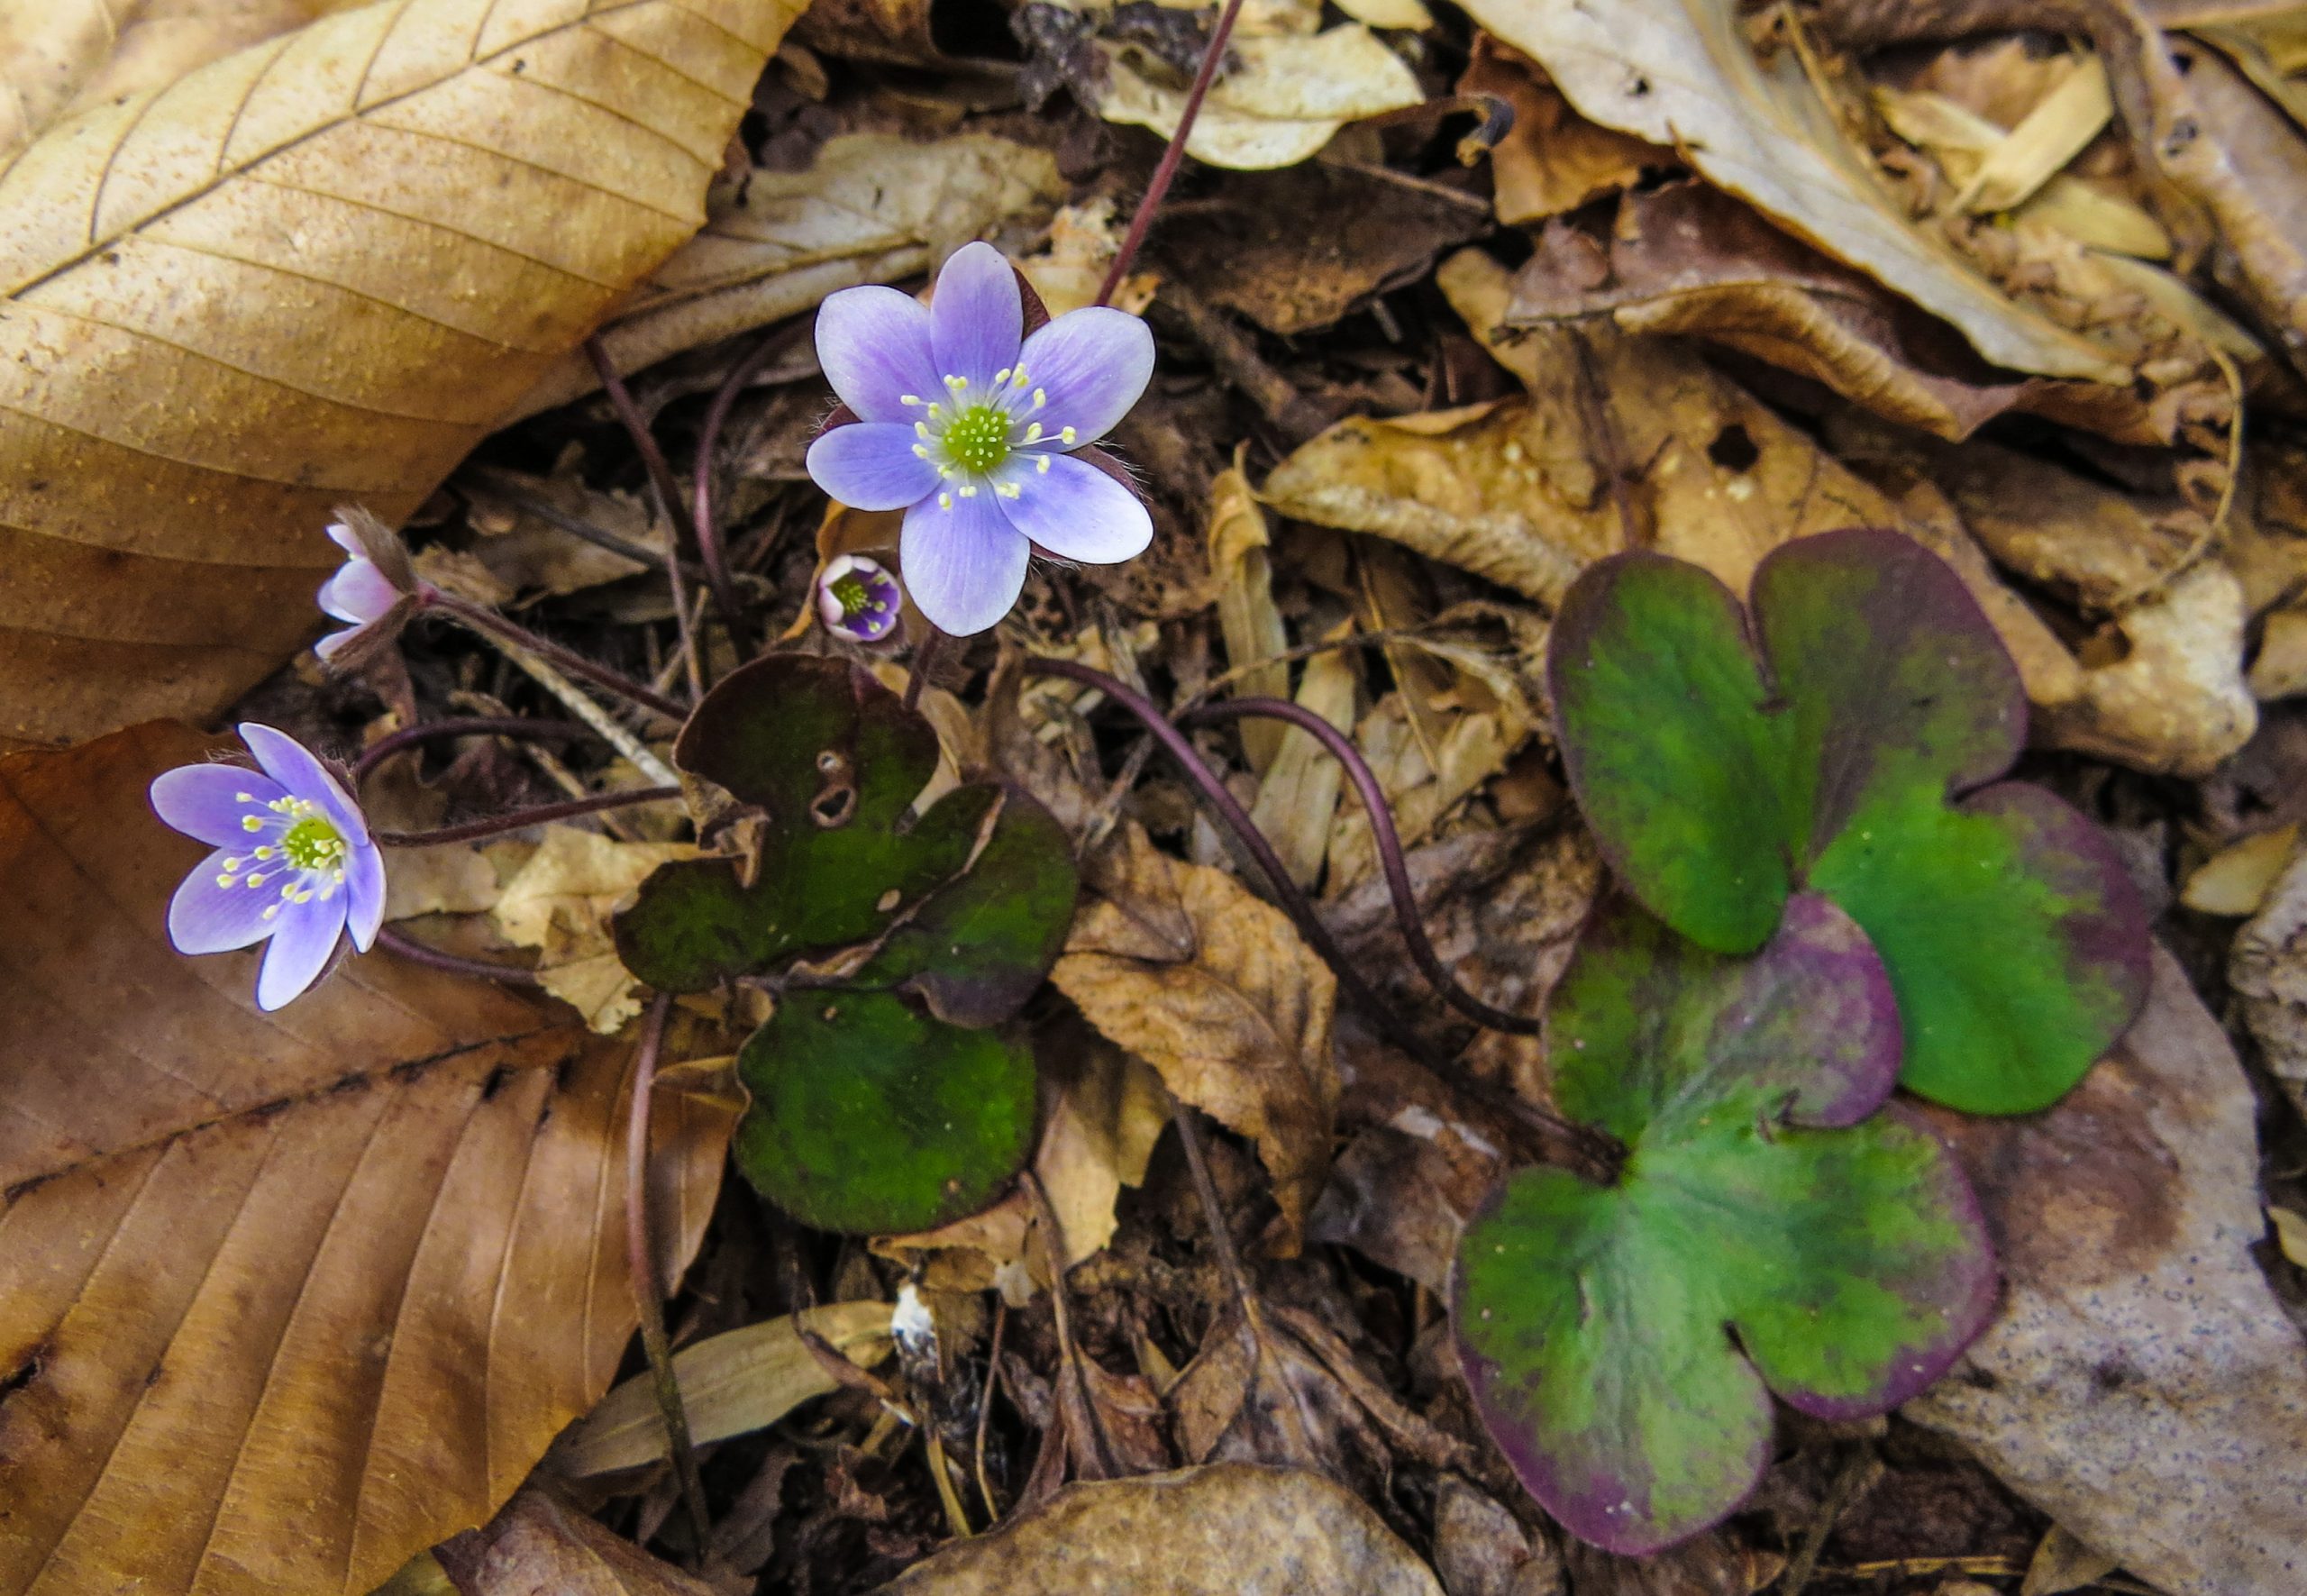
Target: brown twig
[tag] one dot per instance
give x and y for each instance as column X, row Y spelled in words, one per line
column 668, row 497
column 483, row 619
column 702, row 515
column 647, row 1287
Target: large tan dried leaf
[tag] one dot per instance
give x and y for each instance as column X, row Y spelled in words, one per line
column 1224, row 1529
column 284, row 1298
column 57, row 57
column 1681, row 73
column 871, row 208
column 2141, row 1383
column 1181, row 965
column 316, row 271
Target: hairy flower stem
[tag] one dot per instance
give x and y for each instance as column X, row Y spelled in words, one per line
column 489, row 623
column 498, row 825
column 668, row 494
column 1212, row 58
column 472, row 725
column 1390, row 850
column 648, row 1283
column 1593, row 1153
column 703, row 516
column 418, row 952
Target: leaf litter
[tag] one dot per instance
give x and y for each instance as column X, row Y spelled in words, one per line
column 1452, row 308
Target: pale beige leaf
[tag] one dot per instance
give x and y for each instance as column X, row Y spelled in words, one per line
column 1287, row 97
column 1224, row 1529
column 870, row 208
column 1180, row 964
column 561, row 901
column 740, row 1381
column 1246, row 617
column 275, row 286
column 1681, row 73
column 2061, row 1563
column 284, row 1298
column 448, row 879
column 1299, row 792
column 2049, row 136
column 2236, row 880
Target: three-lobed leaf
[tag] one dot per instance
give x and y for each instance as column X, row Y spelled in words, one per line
column 1763, row 1196
column 1849, row 742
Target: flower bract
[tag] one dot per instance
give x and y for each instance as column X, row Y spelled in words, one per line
column 293, row 864
column 858, row 599
column 971, row 428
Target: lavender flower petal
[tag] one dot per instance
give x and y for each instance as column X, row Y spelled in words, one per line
column 296, row 767
column 364, row 893
column 976, row 317
column 1074, row 510
column 205, row 916
column 300, row 950
column 873, row 343
column 871, row 465
column 204, row 801
column 965, row 566
column 1092, row 364
column 359, row 593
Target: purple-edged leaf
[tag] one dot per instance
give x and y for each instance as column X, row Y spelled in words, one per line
column 1719, row 776
column 1597, row 1324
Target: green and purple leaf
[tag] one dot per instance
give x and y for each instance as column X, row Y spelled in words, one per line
column 869, row 1117
column 1842, row 744
column 1764, row 1197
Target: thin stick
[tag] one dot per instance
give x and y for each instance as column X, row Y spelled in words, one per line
column 499, row 630
column 985, row 1409
column 418, row 952
column 648, row 1288
column 668, row 496
column 1158, row 186
column 702, row 513
column 1229, row 1261
column 616, row 735
column 925, row 659
column 498, row 825
column 1390, row 851
column 471, row 726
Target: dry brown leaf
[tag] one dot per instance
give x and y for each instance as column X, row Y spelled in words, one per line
column 1480, row 1549
column 2058, row 128
column 1181, row 966
column 268, row 289
column 1421, row 791
column 2267, row 967
column 447, row 878
column 2141, row 1383
column 2061, row 1563
column 538, row 1545
column 1241, row 561
column 1297, row 795
column 2236, row 880
column 1681, row 73
column 559, row 902
column 1287, row 95
column 346, row 1268
column 739, row 1381
column 870, row 208
column 1225, row 1529
column 1551, row 159
column 530, row 555
column 1068, row 271
column 57, row 57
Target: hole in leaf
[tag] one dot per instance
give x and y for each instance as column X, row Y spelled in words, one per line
column 24, row 1374
column 833, row 807
column 1733, row 450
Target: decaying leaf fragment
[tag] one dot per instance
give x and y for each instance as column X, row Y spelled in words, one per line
column 539, row 1543
column 1183, row 966
column 267, row 289
column 347, row 1269
column 559, row 902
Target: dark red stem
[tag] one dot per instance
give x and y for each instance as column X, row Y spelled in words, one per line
column 483, row 619
column 1390, row 850
column 477, row 725
column 668, row 493
column 1165, row 173
column 418, row 952
column 498, row 825
column 702, row 513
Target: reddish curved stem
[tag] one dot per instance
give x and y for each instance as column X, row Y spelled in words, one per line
column 498, row 825
column 418, row 952
column 661, row 477
column 1164, row 174
column 475, row 725
column 648, row 1285
column 483, row 619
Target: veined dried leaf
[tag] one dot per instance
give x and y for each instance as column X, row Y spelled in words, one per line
column 268, row 288
column 742, row 1379
column 871, row 208
column 1288, row 98
column 559, row 901
column 1678, row 73
column 284, row 1300
column 1247, row 615
column 1300, row 791
column 1181, row 965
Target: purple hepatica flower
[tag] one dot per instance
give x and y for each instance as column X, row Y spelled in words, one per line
column 969, row 427
column 858, row 599
column 375, row 589
column 292, row 862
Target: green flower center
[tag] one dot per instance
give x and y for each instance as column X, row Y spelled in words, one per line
column 978, row 439
column 852, row 594
column 313, row 844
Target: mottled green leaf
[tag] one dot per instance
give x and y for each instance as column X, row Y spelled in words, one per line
column 1840, row 746
column 1845, row 1253
column 870, row 1117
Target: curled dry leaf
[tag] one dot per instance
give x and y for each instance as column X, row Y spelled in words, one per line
column 538, row 1544
column 1297, row 795
column 2141, row 1384
column 739, row 1381
column 266, row 289
column 1240, row 558
column 1551, row 159
column 349, row 1268
column 870, row 208
column 1224, row 1529
column 1183, row 966
column 1684, row 75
